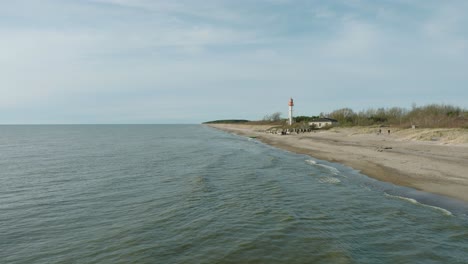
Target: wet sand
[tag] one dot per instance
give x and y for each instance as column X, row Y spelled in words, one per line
column 439, row 166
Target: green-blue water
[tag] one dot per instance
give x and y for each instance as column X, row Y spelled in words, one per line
column 192, row 194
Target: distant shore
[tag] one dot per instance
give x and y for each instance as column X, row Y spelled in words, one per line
column 437, row 166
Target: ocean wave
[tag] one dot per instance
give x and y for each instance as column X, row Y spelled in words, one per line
column 331, row 169
column 414, row 201
column 329, row 180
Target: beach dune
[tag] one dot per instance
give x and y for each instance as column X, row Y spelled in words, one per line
column 403, row 156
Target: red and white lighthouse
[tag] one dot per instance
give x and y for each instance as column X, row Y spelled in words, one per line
column 291, row 104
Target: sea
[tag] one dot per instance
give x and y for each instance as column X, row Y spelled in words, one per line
column 194, row 194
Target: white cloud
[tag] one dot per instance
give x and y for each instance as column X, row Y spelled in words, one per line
column 216, row 10
column 135, row 58
column 447, row 31
column 358, row 40
column 323, row 13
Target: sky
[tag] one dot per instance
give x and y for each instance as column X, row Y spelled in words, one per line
column 189, row 61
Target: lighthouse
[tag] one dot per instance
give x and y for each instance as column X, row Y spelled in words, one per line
column 291, row 104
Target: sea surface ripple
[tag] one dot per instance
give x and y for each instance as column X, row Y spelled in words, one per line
column 192, row 194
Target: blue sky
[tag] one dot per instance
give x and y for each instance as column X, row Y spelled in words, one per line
column 149, row 61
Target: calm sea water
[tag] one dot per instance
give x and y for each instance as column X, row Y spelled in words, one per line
column 192, row 194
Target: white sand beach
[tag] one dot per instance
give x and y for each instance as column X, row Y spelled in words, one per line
column 431, row 160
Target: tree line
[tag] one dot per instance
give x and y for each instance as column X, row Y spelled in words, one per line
column 428, row 116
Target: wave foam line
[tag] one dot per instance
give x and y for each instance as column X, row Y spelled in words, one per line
column 329, row 168
column 413, row 201
column 329, row 180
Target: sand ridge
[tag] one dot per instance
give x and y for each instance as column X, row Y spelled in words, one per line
column 438, row 166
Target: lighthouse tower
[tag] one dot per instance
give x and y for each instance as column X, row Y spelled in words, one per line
column 291, row 104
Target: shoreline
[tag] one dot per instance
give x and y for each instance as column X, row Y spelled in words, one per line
column 432, row 167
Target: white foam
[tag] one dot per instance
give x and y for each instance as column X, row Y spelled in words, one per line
column 444, row 211
column 329, row 180
column 329, row 168
column 413, row 201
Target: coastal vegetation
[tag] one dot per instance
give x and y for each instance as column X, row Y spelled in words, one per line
column 275, row 117
column 227, row 121
column 428, row 116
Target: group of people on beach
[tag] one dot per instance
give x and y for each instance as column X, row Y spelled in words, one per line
column 380, row 131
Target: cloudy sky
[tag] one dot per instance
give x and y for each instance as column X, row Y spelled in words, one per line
column 188, row 61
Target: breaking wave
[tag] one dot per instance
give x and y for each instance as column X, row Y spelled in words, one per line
column 331, row 169
column 414, row 201
column 328, row 179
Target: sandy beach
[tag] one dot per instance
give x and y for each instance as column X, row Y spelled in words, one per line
column 434, row 161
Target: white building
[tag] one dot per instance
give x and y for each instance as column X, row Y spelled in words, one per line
column 323, row 122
